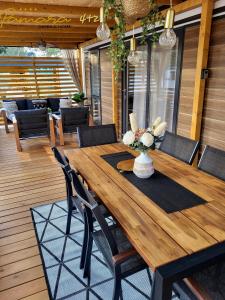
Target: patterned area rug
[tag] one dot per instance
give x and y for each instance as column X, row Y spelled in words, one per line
column 61, row 258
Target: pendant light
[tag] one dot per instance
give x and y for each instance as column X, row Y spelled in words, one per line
column 134, row 56
column 103, row 31
column 168, row 37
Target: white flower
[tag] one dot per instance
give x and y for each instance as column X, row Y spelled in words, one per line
column 156, row 122
column 128, row 138
column 159, row 130
column 147, row 139
column 133, row 122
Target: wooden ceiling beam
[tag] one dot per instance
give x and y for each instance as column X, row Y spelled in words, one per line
column 61, row 46
column 179, row 8
column 51, row 21
column 46, row 36
column 42, row 10
column 88, row 3
column 4, row 41
column 45, row 29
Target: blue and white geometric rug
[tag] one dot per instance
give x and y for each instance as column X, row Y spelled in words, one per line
column 61, row 258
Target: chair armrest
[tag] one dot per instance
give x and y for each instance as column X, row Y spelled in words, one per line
column 14, row 120
column 56, row 117
column 123, row 256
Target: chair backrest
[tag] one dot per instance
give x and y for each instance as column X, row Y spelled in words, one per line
column 179, row 147
column 33, row 122
column 74, row 117
column 92, row 208
column 97, row 135
column 65, row 166
column 212, row 161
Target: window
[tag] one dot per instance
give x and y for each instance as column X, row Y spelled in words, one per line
column 151, row 87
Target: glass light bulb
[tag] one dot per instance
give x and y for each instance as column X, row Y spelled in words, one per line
column 103, row 31
column 134, row 57
column 168, row 38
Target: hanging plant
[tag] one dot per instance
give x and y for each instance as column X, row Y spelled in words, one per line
column 126, row 12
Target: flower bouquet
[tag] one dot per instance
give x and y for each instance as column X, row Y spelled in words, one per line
column 143, row 140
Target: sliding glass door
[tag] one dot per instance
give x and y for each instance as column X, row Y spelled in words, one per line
column 151, row 88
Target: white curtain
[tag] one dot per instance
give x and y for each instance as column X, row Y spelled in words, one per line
column 140, row 88
column 71, row 62
column 162, row 84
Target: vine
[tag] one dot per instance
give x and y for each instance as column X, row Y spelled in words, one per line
column 113, row 9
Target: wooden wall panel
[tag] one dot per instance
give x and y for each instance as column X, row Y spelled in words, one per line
column 106, row 87
column 187, row 80
column 87, row 75
column 213, row 126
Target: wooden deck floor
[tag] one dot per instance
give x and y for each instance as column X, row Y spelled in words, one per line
column 27, row 179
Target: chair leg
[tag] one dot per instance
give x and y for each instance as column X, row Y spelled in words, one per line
column 117, row 288
column 17, row 138
column 60, row 130
column 68, row 225
column 52, row 132
column 87, row 264
column 84, row 247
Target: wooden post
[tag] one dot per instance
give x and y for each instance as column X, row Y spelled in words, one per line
column 202, row 60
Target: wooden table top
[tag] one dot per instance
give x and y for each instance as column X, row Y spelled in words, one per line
column 159, row 237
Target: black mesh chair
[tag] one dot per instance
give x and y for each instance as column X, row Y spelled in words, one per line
column 97, row 135
column 179, row 147
column 33, row 123
column 70, row 119
column 71, row 198
column 212, row 161
column 73, row 203
column 120, row 257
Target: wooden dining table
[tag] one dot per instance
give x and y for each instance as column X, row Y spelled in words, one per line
column 174, row 244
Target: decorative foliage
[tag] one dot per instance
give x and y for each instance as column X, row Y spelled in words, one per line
column 78, row 97
column 113, row 9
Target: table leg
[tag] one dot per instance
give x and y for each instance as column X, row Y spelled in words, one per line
column 161, row 288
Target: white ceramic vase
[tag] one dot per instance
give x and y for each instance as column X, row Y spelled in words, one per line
column 143, row 167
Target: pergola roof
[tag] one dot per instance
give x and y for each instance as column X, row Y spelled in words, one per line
column 25, row 23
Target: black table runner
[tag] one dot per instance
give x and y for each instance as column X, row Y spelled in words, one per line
column 165, row 192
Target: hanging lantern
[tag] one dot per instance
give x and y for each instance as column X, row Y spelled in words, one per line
column 103, row 31
column 168, row 37
column 134, row 57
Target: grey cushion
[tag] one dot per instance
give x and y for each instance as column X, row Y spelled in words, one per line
column 39, row 103
column 10, row 107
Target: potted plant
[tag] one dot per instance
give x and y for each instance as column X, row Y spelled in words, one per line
column 78, row 98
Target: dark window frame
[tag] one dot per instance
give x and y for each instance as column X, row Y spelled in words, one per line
column 97, row 50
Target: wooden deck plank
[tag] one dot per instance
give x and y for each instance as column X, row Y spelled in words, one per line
column 27, row 179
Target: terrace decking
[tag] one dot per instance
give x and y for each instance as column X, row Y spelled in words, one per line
column 27, row 179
